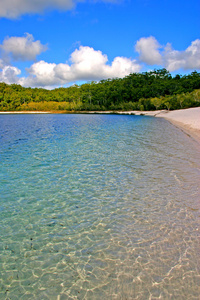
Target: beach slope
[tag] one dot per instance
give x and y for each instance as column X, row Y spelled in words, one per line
column 186, row 119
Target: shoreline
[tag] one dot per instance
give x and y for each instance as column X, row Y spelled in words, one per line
column 188, row 120
column 24, row 112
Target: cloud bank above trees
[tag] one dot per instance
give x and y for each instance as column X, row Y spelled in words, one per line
column 86, row 63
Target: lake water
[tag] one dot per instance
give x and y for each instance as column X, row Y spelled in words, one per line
column 98, row 207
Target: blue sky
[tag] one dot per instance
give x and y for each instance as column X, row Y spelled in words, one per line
column 51, row 43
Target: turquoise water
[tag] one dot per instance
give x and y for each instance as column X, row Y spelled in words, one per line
column 98, row 207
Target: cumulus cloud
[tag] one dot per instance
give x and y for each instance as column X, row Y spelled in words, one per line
column 15, row 8
column 9, row 74
column 2, row 63
column 148, row 49
column 41, row 74
column 187, row 60
column 86, row 64
column 22, row 48
column 152, row 53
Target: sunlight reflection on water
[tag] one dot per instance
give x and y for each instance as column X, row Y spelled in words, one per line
column 98, row 207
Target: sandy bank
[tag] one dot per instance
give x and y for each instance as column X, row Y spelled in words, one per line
column 186, row 119
column 189, row 117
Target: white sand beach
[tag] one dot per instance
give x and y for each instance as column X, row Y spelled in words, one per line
column 189, row 117
column 186, row 119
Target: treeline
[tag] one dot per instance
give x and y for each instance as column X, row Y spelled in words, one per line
column 138, row 91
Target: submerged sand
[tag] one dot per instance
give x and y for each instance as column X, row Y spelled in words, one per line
column 186, row 119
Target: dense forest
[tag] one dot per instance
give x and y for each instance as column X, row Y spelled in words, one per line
column 138, row 91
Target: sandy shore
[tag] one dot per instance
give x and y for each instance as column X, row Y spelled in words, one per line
column 186, row 119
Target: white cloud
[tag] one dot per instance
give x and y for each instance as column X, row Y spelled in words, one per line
column 187, row 60
column 22, row 48
column 86, row 64
column 152, row 53
column 2, row 63
column 86, row 61
column 41, row 74
column 9, row 74
column 15, row 8
column 148, row 49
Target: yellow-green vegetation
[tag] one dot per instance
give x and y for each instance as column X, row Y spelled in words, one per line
column 51, row 106
column 183, row 100
column 137, row 91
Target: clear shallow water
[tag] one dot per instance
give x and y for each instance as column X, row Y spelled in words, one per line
column 98, row 207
